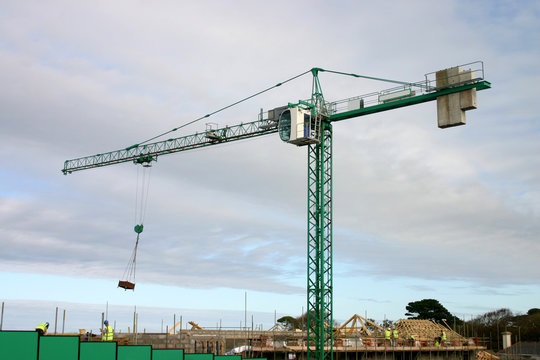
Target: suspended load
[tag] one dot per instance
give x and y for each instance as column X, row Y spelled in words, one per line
column 129, row 273
column 126, row 285
column 128, row 279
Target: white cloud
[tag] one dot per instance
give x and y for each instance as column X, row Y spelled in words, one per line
column 410, row 200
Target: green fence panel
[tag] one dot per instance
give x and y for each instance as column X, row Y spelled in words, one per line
column 59, row 348
column 168, row 354
column 198, row 356
column 135, row 352
column 227, row 357
column 97, row 351
column 19, row 345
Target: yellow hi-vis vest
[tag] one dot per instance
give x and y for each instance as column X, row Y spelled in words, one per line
column 395, row 334
column 387, row 334
column 42, row 326
column 443, row 336
column 108, row 334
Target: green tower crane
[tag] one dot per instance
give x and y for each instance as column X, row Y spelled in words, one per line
column 309, row 123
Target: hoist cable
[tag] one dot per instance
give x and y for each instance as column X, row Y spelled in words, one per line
column 273, row 87
column 141, row 193
column 141, row 203
column 224, row 108
column 149, row 171
column 129, row 272
column 375, row 78
column 135, row 213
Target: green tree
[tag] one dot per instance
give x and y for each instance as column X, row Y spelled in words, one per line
column 288, row 322
column 500, row 317
column 533, row 311
column 490, row 325
column 387, row 323
column 526, row 327
column 430, row 309
column 300, row 322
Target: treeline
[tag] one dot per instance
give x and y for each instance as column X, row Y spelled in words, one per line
column 490, row 326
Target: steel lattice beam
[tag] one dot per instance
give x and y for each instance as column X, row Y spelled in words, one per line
column 319, row 257
column 142, row 153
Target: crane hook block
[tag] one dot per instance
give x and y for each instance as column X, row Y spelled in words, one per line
column 145, row 160
column 138, row 228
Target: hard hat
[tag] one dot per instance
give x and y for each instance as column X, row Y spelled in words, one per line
column 106, row 322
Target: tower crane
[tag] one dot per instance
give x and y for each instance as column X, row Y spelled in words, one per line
column 309, row 123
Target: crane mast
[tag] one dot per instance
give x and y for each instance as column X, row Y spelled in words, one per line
column 309, row 123
column 319, row 243
column 319, row 248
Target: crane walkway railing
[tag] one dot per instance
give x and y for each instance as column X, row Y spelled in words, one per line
column 408, row 94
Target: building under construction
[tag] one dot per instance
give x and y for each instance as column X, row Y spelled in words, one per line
column 357, row 338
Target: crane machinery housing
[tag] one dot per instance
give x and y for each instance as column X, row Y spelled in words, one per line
column 309, row 123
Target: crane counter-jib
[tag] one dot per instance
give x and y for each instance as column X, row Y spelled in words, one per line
column 411, row 100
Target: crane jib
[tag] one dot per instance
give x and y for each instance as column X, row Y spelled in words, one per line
column 149, row 152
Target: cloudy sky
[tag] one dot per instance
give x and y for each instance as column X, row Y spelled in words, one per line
column 419, row 212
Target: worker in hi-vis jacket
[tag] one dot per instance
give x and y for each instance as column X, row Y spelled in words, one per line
column 42, row 328
column 107, row 332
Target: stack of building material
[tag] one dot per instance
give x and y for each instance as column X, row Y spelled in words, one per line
column 484, row 355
